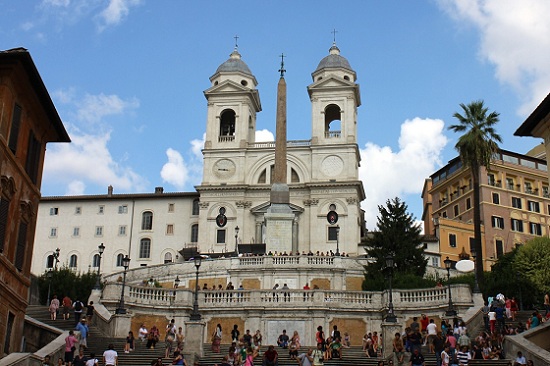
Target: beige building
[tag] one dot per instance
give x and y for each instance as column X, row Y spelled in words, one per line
column 237, row 174
column 515, row 205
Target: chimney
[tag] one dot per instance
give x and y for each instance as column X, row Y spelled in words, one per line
column 110, row 190
column 159, row 190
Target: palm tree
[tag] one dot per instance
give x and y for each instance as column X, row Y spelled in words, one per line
column 476, row 147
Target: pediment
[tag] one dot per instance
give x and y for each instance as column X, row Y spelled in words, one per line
column 228, row 86
column 331, row 82
column 262, row 208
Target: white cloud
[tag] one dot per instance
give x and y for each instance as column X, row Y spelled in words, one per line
column 174, row 171
column 264, row 136
column 93, row 108
column 88, row 159
column 56, row 3
column 387, row 174
column 115, row 12
column 197, row 146
column 514, row 37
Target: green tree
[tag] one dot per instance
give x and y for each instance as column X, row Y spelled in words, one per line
column 398, row 235
column 533, row 261
column 476, row 147
column 65, row 281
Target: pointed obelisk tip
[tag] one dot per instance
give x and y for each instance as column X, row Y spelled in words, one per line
column 282, row 69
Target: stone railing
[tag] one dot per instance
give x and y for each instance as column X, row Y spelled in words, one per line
column 271, row 144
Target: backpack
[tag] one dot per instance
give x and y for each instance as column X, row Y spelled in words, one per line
column 78, row 306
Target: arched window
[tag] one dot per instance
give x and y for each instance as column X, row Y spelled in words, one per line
column 73, row 261
column 294, row 178
column 332, row 121
column 147, row 220
column 49, row 261
column 145, row 248
column 95, row 261
column 119, row 260
column 194, row 233
column 168, row 258
column 262, row 178
column 227, row 123
column 196, row 207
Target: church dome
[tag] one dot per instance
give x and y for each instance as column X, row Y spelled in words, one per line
column 234, row 64
column 334, row 61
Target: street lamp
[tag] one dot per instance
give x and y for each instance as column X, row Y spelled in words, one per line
column 125, row 264
column 101, row 249
column 390, row 317
column 195, row 315
column 476, row 284
column 337, row 240
column 451, row 312
column 236, row 238
column 49, row 275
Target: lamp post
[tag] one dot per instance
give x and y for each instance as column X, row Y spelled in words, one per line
column 451, row 312
column 125, row 264
column 195, row 315
column 177, row 282
column 390, row 317
column 518, row 274
column 101, row 249
column 476, row 284
column 236, row 238
column 337, row 241
column 49, row 275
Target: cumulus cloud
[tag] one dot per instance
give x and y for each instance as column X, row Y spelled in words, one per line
column 88, row 159
column 514, row 38
column 387, row 174
column 93, row 108
column 115, row 12
column 174, row 171
column 264, row 136
column 197, row 145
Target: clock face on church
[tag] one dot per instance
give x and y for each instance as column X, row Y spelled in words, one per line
column 224, row 168
column 332, row 166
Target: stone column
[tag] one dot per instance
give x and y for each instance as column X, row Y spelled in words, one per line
column 121, row 324
column 194, row 341
column 388, row 333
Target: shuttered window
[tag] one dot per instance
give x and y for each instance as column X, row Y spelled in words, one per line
column 4, row 209
column 14, row 131
column 33, row 158
column 21, row 246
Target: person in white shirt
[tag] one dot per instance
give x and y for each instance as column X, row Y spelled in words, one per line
column 92, row 361
column 431, row 329
column 445, row 357
column 520, row 360
column 110, row 357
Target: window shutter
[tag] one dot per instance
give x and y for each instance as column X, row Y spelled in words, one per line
column 15, row 124
column 21, row 246
column 4, row 210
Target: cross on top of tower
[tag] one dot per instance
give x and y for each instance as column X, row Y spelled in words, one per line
column 334, row 31
column 236, row 41
column 282, row 69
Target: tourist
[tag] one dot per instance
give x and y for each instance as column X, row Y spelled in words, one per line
column 346, row 342
column 169, row 338
column 328, row 342
column 375, row 341
column 142, row 333
column 152, row 337
column 293, row 350
column 60, row 362
column 320, row 337
column 445, row 356
column 235, row 333
column 514, row 308
column 463, row 356
column 283, row 339
column 271, row 357
column 416, row 358
column 439, row 346
column 157, row 362
column 365, row 341
column 306, row 359
column 546, row 305
column 335, row 332
column 431, row 329
column 70, row 347
column 179, row 359
column 251, row 354
column 80, row 359
column 84, row 330
column 180, row 339
column 286, row 294
column 520, row 360
column 317, row 355
column 336, row 348
column 398, row 348
column 47, row 361
column 129, row 345
column 92, row 361
column 217, row 338
column 257, row 339
column 66, row 307
column 77, row 306
column 90, row 312
column 247, row 338
column 535, row 322
column 492, row 315
column 424, row 321
column 110, row 356
column 54, row 308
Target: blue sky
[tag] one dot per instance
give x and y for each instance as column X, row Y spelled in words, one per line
column 127, row 78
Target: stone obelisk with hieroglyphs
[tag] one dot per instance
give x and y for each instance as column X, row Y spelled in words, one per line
column 279, row 217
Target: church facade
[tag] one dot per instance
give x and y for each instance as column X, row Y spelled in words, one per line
column 226, row 213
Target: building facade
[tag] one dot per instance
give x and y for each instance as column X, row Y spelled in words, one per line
column 28, row 121
column 237, row 175
column 515, row 205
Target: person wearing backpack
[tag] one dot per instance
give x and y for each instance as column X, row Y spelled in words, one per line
column 77, row 306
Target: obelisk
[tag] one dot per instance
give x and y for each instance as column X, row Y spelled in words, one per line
column 279, row 217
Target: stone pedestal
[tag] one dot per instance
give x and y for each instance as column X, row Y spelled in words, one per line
column 194, row 341
column 388, row 333
column 279, row 220
column 121, row 324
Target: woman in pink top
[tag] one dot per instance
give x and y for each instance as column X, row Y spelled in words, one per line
column 70, row 342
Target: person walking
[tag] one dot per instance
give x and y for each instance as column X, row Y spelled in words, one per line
column 54, row 307
column 77, row 306
column 110, row 356
column 70, row 347
column 82, row 327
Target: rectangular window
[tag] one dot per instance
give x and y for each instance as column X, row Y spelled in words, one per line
column 101, row 209
column 497, row 222
column 4, row 212
column 472, row 244
column 53, row 232
column 77, row 210
column 170, row 229
column 452, row 240
column 516, row 202
column 517, row 225
column 54, row 211
column 123, row 209
column 76, row 231
column 510, row 183
column 15, row 126
column 145, row 248
column 491, row 179
column 170, row 207
column 435, row 262
column 528, row 187
column 499, row 248
column 332, row 233
column 9, row 330
column 21, row 246
column 533, row 206
column 545, row 192
column 468, row 203
column 535, row 229
column 99, row 231
column 456, row 211
column 33, row 158
column 220, row 236
column 496, row 199
column 122, row 230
